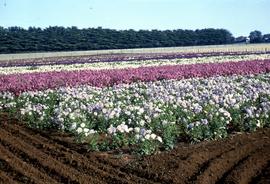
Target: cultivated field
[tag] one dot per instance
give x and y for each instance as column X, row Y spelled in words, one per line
column 186, row 49
column 189, row 115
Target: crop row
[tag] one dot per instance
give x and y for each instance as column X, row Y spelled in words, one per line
column 148, row 116
column 18, row 83
column 131, row 64
column 118, row 58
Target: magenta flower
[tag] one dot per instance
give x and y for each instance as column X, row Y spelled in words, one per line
column 18, row 83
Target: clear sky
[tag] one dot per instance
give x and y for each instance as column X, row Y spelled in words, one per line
column 238, row 16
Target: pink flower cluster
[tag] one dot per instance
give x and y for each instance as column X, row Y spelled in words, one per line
column 18, row 83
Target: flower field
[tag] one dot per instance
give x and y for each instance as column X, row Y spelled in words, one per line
column 145, row 102
column 168, row 117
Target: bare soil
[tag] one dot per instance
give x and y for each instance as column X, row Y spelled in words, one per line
column 31, row 156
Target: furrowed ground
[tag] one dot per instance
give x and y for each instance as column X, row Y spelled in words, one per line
column 31, row 156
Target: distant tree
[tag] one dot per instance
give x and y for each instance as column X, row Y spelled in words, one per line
column 57, row 38
column 266, row 38
column 255, row 37
column 240, row 39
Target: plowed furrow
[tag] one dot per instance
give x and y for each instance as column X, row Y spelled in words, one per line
column 205, row 165
column 13, row 172
column 134, row 176
column 264, row 176
column 4, row 178
column 174, row 162
column 34, row 162
column 185, row 167
column 149, row 175
column 189, row 167
column 218, row 167
column 76, row 160
column 250, row 168
column 26, row 169
column 69, row 175
column 203, row 155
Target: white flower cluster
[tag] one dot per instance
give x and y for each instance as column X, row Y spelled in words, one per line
column 83, row 130
column 122, row 128
column 7, row 100
column 132, row 64
column 144, row 134
column 37, row 110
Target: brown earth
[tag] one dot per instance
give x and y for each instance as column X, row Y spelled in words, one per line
column 29, row 156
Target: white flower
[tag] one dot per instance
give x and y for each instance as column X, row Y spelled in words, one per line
column 122, row 128
column 155, row 115
column 92, row 131
column 86, row 130
column 82, row 125
column 249, row 112
column 164, row 122
column 73, row 126
column 146, row 117
column 111, row 130
column 148, row 131
column 153, row 136
column 159, row 139
column 79, row 130
column 142, row 122
column 72, row 116
column 23, row 111
column 137, row 129
column 141, row 110
column 111, row 115
column 137, row 136
column 258, row 124
column 147, row 136
column 104, row 111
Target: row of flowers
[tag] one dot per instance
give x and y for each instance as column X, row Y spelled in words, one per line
column 148, row 116
column 118, row 58
column 131, row 64
column 18, row 83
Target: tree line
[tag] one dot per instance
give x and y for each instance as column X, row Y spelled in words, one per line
column 56, row 38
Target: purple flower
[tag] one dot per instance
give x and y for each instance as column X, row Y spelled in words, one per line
column 18, row 83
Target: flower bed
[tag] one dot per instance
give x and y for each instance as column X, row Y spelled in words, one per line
column 130, row 64
column 147, row 116
column 143, row 106
column 18, row 83
column 119, row 58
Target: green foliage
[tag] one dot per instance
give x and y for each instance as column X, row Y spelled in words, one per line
column 255, row 37
column 147, row 147
column 170, row 134
column 16, row 39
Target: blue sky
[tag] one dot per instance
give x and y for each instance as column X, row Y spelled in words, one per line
column 238, row 16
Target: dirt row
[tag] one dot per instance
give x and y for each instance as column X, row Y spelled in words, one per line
column 30, row 156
